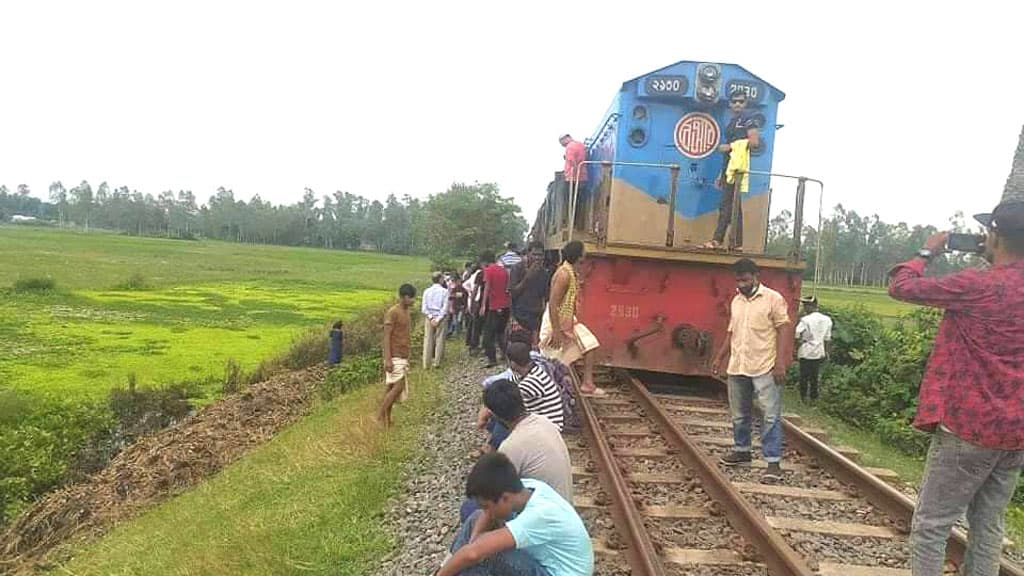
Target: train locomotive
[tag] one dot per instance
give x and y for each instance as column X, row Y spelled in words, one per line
column 654, row 297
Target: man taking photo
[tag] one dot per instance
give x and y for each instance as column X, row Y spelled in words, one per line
column 972, row 394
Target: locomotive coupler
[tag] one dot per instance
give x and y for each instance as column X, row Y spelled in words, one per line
column 657, row 326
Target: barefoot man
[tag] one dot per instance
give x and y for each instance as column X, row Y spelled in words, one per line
column 562, row 336
column 397, row 325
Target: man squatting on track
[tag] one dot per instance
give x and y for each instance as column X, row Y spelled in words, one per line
column 397, row 328
column 972, row 394
column 532, row 442
column 523, row 528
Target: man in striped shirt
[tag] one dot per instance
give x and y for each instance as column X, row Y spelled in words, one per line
column 540, row 393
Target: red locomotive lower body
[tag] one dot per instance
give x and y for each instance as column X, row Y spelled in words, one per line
column 670, row 314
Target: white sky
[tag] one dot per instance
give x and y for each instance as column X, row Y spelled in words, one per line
column 906, row 109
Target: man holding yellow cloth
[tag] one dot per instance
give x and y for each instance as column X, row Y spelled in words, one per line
column 741, row 136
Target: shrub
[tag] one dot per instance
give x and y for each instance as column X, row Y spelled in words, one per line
column 141, row 411
column 855, row 332
column 39, row 285
column 234, row 380
column 351, row 374
column 135, row 282
column 38, row 451
column 873, row 380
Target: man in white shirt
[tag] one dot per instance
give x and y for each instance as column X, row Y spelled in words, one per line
column 435, row 308
column 814, row 335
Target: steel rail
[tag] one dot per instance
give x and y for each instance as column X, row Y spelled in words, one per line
column 780, row 558
column 880, row 494
column 640, row 554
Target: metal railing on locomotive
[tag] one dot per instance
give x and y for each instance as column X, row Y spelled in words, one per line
column 599, row 226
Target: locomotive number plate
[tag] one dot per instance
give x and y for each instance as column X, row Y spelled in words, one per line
column 753, row 90
column 667, row 85
column 624, row 311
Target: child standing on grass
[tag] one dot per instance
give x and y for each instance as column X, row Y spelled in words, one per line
column 337, row 342
column 397, row 328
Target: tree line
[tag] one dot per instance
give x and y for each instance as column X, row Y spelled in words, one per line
column 453, row 224
column 860, row 250
column 457, row 223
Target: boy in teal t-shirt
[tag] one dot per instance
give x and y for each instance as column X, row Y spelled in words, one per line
column 523, row 528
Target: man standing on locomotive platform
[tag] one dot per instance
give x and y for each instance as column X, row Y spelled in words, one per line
column 575, row 155
column 972, row 394
column 754, row 346
column 741, row 136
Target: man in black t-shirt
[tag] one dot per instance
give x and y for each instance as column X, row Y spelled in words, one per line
column 529, row 282
column 741, row 125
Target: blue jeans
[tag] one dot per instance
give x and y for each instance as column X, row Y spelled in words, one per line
column 507, row 563
column 741, row 404
column 498, row 432
column 961, row 477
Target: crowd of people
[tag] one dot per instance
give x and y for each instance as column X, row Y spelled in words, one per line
column 518, row 518
column 519, row 307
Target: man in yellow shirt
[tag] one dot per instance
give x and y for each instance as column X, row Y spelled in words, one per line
column 757, row 322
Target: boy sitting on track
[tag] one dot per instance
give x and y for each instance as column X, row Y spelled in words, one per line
column 523, row 528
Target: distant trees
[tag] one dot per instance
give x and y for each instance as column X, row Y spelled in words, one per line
column 860, row 250
column 456, row 223
column 20, row 202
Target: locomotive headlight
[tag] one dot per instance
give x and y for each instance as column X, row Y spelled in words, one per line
column 707, row 93
column 640, row 113
column 709, row 77
column 708, row 74
column 637, row 137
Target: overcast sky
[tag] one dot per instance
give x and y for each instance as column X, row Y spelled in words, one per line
column 902, row 108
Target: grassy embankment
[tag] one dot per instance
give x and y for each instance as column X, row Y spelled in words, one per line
column 308, row 502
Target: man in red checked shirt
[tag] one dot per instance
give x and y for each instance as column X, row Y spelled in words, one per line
column 972, row 393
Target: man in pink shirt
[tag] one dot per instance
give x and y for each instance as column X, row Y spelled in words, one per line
column 575, row 174
column 575, row 153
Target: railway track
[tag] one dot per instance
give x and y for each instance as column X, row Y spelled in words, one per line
column 657, row 502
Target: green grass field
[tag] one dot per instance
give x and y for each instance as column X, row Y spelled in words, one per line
column 876, row 300
column 154, row 312
column 202, row 303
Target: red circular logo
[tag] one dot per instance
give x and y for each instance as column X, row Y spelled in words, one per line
column 696, row 135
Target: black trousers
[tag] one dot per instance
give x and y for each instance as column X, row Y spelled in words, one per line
column 810, row 371
column 474, row 327
column 725, row 214
column 494, row 333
